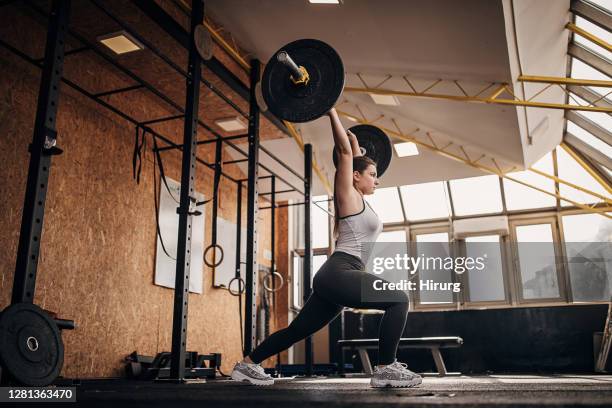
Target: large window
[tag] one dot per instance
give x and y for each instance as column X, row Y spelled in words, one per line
column 485, row 285
column 580, row 70
column 596, row 31
column 298, row 276
column 425, row 201
column 320, row 222
column 386, row 203
column 476, row 195
column 520, row 197
column 434, row 246
column 570, row 170
column 537, row 266
column 588, row 254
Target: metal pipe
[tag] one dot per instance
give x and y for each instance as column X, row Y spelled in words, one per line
column 165, row 58
column 282, row 163
column 183, row 253
column 120, row 90
column 110, row 107
column 203, row 142
column 252, row 218
column 308, row 350
column 159, row 120
column 284, row 58
column 41, row 152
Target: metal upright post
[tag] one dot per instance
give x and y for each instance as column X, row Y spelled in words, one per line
column 187, row 201
column 252, row 209
column 272, row 234
column 308, row 354
column 41, row 150
column 238, row 231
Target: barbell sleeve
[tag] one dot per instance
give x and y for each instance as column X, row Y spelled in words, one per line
column 286, row 60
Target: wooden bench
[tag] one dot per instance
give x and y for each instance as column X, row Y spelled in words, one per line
column 432, row 343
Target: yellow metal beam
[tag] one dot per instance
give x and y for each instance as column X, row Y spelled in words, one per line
column 227, row 47
column 492, row 99
column 572, row 185
column 565, row 81
column 593, row 38
column 587, row 167
column 600, row 210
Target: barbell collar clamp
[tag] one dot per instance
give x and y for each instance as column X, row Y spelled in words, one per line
column 299, row 75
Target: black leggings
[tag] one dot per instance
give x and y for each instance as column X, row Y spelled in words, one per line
column 341, row 281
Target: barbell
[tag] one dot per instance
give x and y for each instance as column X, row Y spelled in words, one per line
column 302, row 81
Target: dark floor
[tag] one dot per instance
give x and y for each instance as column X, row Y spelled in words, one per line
column 483, row 391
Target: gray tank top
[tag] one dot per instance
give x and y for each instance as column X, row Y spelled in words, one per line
column 365, row 226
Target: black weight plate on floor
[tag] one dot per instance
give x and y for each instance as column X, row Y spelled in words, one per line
column 377, row 146
column 303, row 103
column 31, row 347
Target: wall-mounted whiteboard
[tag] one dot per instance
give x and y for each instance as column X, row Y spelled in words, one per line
column 165, row 267
column 226, row 237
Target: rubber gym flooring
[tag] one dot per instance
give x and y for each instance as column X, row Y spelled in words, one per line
column 466, row 391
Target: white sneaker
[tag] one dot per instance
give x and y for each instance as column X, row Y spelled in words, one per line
column 395, row 374
column 252, row 373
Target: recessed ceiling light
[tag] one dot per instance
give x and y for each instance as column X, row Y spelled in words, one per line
column 406, row 149
column 120, row 42
column 231, row 124
column 324, row 1
column 384, row 99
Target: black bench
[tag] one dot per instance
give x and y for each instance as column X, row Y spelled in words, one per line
column 432, row 343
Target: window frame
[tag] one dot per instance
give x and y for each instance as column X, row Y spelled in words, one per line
column 415, row 302
column 560, row 269
column 506, row 272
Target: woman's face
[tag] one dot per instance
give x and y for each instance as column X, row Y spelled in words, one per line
column 366, row 181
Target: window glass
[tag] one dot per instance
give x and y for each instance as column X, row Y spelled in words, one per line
column 597, row 32
column 435, row 247
column 486, row 284
column 580, row 70
column 589, row 139
column 538, row 270
column 386, row 203
column 520, row 197
column 587, row 240
column 571, row 171
column 320, row 222
column 392, row 236
column 425, row 201
column 476, row 195
column 602, row 119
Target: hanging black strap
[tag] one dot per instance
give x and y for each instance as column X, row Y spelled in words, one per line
column 140, row 143
column 217, row 178
column 162, row 173
column 156, row 162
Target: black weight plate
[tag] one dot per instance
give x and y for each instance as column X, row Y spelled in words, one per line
column 303, row 103
column 31, row 347
column 377, row 146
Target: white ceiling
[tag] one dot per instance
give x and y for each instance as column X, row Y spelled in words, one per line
column 473, row 41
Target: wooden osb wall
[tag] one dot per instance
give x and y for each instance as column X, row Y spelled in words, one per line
column 97, row 256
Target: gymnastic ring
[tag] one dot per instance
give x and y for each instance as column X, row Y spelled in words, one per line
column 272, row 274
column 208, row 248
column 240, row 289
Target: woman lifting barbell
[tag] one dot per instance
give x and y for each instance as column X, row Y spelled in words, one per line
column 342, row 279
